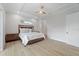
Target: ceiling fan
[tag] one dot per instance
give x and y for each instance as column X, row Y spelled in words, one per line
column 41, row 10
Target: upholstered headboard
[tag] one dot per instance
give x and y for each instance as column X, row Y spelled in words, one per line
column 25, row 26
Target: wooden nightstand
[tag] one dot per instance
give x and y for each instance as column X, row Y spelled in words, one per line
column 11, row 37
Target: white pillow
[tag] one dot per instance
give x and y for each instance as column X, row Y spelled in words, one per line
column 22, row 30
column 25, row 30
column 29, row 30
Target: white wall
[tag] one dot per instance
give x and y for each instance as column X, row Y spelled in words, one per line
column 56, row 27
column 13, row 20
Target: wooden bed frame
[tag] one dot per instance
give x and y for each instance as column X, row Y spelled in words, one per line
column 31, row 27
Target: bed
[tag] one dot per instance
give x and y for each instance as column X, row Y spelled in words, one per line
column 28, row 36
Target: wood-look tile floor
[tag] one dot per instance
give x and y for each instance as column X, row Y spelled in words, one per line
column 43, row 48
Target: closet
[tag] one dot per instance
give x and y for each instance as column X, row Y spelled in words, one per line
column 72, row 29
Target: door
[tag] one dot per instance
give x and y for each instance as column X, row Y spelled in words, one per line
column 2, row 35
column 0, row 30
column 72, row 29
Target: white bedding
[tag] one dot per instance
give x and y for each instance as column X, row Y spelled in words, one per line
column 25, row 37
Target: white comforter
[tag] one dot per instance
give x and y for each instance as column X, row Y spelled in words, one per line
column 25, row 37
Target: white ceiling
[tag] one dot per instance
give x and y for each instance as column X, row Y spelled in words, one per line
column 30, row 8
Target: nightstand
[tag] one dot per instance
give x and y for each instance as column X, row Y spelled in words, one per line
column 11, row 37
